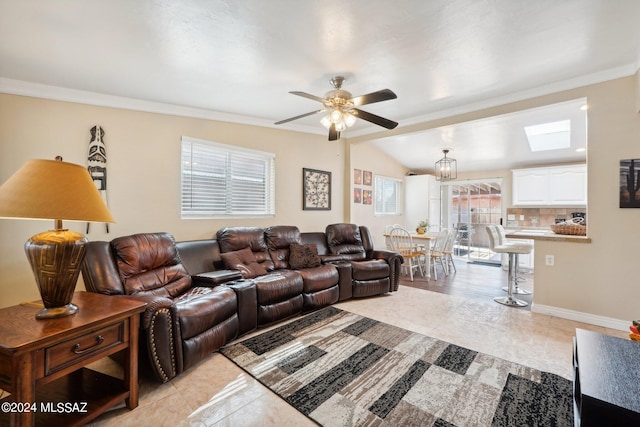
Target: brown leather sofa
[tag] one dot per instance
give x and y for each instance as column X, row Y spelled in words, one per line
column 182, row 323
column 196, row 303
column 282, row 291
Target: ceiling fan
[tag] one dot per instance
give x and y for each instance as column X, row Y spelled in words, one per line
column 342, row 108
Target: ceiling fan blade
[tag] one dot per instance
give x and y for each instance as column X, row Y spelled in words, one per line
column 308, row 95
column 334, row 135
column 380, row 121
column 298, row 117
column 370, row 98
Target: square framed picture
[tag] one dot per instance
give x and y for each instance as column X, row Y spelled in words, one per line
column 367, row 177
column 316, row 190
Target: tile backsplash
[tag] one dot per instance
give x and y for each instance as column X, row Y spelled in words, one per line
column 538, row 217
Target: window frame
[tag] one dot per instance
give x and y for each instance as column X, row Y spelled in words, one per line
column 232, row 183
column 398, row 193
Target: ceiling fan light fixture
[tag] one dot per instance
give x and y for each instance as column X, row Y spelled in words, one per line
column 349, row 119
column 336, row 116
column 343, row 109
column 446, row 168
column 326, row 121
column 340, row 126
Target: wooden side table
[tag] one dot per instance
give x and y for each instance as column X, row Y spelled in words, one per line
column 606, row 380
column 42, row 362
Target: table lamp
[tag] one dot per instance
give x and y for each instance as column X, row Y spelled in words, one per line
column 55, row 190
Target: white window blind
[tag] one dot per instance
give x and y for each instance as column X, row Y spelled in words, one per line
column 223, row 180
column 387, row 195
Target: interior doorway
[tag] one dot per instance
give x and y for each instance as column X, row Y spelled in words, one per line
column 470, row 206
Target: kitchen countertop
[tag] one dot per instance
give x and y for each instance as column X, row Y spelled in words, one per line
column 545, row 234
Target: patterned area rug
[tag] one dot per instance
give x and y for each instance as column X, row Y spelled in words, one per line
column 342, row 369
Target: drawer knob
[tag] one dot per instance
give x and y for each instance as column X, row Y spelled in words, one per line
column 76, row 348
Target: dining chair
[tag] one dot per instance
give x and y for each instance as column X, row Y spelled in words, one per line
column 437, row 252
column 448, row 249
column 402, row 243
column 387, row 233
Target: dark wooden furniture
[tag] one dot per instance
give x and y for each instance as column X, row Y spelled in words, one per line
column 42, row 362
column 606, row 380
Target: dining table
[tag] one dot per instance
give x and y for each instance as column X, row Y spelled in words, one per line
column 424, row 242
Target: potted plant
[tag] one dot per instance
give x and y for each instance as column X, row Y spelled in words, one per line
column 423, row 226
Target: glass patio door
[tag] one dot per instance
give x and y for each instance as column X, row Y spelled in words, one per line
column 473, row 205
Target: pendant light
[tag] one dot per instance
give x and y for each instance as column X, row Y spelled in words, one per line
column 446, row 168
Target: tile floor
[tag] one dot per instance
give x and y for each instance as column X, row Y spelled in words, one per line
column 218, row 393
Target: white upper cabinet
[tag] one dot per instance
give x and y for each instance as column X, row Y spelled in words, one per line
column 530, row 187
column 550, row 186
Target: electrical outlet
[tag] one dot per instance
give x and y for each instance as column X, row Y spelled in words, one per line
column 550, row 260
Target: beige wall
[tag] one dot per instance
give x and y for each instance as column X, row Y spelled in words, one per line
column 144, row 173
column 368, row 157
column 597, row 279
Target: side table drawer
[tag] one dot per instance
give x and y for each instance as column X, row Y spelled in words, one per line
column 93, row 343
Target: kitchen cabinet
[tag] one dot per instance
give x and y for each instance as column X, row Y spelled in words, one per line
column 550, row 186
column 421, row 200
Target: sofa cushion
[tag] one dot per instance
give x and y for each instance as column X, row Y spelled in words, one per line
column 278, row 286
column 201, row 309
column 149, row 263
column 245, row 261
column 319, row 278
column 303, row 256
column 345, row 240
column 279, row 238
column 369, row 270
column 237, row 238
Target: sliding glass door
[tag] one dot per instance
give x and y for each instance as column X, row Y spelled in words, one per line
column 471, row 206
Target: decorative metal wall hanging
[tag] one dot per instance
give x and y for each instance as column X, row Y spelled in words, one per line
column 316, row 189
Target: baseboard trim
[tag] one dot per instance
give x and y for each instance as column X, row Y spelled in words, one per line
column 592, row 319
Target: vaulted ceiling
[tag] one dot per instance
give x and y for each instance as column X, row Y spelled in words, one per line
column 236, row 60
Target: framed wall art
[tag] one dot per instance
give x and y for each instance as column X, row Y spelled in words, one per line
column 357, row 176
column 630, row 183
column 367, row 197
column 316, row 190
column 367, row 177
column 357, row 195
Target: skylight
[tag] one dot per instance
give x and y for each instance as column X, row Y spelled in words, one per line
column 549, row 136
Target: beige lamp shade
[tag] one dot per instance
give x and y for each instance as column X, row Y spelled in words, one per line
column 50, row 189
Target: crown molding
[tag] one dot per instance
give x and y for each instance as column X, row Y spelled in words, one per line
column 57, row 93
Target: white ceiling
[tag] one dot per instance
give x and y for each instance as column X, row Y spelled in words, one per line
column 236, row 60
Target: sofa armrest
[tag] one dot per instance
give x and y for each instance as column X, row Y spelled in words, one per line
column 394, row 260
column 247, row 304
column 344, row 279
column 382, row 254
column 159, row 328
column 326, row 259
column 215, row 278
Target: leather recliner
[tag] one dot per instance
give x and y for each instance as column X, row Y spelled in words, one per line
column 278, row 292
column 319, row 282
column 182, row 323
column 373, row 272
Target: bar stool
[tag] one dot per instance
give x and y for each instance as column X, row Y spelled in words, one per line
column 503, row 241
column 513, row 250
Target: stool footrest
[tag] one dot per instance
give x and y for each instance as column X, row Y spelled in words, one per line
column 511, row 301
